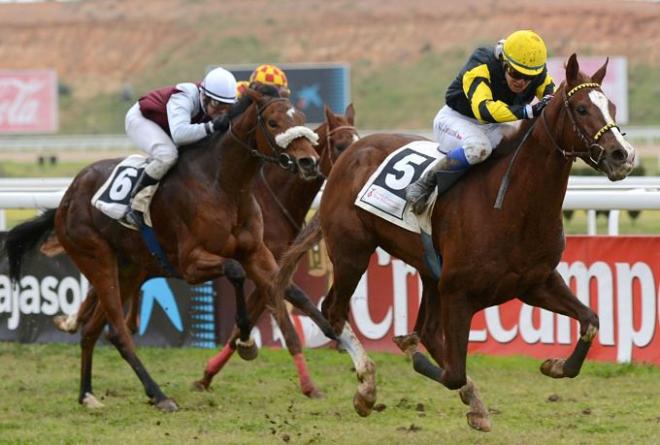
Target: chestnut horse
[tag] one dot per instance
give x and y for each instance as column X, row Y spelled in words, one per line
column 489, row 254
column 203, row 213
column 285, row 201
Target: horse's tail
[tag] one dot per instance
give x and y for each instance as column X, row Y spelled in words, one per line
column 311, row 234
column 25, row 237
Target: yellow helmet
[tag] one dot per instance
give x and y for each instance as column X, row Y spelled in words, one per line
column 525, row 51
column 241, row 86
column 270, row 75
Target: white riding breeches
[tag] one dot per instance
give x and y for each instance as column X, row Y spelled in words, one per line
column 148, row 136
column 452, row 129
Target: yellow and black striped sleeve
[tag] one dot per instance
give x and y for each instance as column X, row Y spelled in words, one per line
column 546, row 88
column 477, row 89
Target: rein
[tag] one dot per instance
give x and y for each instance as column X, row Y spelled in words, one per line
column 272, row 194
column 591, row 160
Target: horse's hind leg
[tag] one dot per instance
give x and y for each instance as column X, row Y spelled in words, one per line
column 554, row 295
column 70, row 323
column 348, row 268
column 101, row 269
column 90, row 332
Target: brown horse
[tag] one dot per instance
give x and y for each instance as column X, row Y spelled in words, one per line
column 285, row 201
column 489, row 254
column 203, row 213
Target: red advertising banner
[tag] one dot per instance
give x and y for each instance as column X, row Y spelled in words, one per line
column 618, row 277
column 28, row 101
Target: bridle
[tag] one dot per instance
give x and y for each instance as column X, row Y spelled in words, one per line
column 328, row 145
column 326, row 152
column 591, row 144
column 279, row 156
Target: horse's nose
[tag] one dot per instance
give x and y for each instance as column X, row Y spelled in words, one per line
column 619, row 155
column 307, row 164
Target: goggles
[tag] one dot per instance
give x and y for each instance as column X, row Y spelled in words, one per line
column 517, row 75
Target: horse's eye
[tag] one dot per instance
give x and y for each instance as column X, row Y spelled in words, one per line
column 581, row 109
column 272, row 123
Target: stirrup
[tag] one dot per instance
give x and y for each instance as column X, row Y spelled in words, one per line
column 134, row 218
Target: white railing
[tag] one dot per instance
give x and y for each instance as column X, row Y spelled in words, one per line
column 589, row 193
column 54, row 143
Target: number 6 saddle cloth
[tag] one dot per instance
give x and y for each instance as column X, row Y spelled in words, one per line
column 114, row 195
column 384, row 194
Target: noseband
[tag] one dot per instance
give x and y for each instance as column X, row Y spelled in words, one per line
column 592, row 145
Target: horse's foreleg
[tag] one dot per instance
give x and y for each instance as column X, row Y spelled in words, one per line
column 246, row 346
column 554, row 295
column 478, row 417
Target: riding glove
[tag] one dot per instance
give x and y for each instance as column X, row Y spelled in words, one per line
column 539, row 106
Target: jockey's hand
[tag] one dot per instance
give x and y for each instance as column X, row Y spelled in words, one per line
column 540, row 105
column 220, row 123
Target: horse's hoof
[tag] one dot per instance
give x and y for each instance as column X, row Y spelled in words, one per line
column 247, row 350
column 553, row 367
column 313, row 393
column 201, row 385
column 62, row 323
column 90, row 401
column 479, row 422
column 167, row 406
column 362, row 405
column 407, row 343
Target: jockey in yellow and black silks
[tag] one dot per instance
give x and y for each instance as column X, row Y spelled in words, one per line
column 496, row 86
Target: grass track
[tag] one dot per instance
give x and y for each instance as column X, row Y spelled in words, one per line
column 259, row 402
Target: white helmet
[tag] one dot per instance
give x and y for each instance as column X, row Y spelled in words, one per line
column 220, row 84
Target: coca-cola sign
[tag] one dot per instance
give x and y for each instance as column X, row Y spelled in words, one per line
column 28, row 101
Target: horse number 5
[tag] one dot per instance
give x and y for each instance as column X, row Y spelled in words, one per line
column 405, row 171
column 123, row 185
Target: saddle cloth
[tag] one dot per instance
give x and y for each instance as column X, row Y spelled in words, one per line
column 384, row 193
column 114, row 195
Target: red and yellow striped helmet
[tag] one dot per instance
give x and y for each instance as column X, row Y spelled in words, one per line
column 270, row 75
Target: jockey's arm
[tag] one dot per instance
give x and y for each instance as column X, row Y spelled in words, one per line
column 181, row 107
column 476, row 86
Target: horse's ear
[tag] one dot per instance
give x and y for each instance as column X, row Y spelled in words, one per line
column 329, row 116
column 350, row 114
column 572, row 70
column 600, row 74
column 255, row 96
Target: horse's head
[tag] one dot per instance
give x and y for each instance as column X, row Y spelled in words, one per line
column 281, row 135
column 337, row 133
column 593, row 134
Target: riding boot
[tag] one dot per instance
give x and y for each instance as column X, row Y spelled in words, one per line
column 443, row 175
column 133, row 216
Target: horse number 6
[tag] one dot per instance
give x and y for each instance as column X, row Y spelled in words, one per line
column 123, row 185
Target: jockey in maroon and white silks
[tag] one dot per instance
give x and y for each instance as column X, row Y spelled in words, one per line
column 167, row 118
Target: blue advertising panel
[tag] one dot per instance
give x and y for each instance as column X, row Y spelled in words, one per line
column 311, row 85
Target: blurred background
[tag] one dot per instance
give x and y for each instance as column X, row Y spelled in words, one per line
column 396, row 59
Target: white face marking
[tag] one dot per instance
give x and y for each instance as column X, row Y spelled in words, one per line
column 355, row 138
column 601, row 102
column 290, row 112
